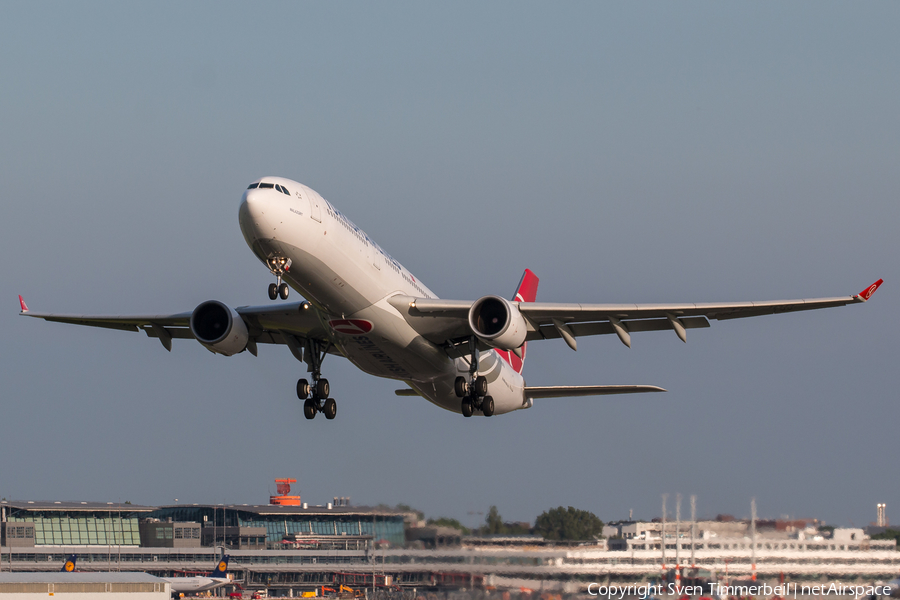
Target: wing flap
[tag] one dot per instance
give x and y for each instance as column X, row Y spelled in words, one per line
column 549, row 332
column 124, row 323
column 544, row 311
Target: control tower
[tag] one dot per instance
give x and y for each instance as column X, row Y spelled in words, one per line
column 284, row 498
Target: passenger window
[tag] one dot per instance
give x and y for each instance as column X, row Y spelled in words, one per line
column 253, row 186
column 266, row 185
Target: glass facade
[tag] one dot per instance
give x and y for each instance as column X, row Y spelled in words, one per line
column 278, row 526
column 60, row 528
column 381, row 527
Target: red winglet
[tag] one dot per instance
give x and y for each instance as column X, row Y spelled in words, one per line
column 867, row 293
column 527, row 290
column 22, row 304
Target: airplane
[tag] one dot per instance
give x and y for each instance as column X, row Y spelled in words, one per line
column 69, row 565
column 359, row 302
column 216, row 579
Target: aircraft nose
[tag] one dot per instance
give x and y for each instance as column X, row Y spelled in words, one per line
column 252, row 211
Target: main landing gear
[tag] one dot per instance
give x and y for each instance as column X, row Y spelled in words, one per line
column 315, row 395
column 474, row 389
column 278, row 265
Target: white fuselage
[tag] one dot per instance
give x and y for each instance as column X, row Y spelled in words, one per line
column 346, row 275
column 183, row 585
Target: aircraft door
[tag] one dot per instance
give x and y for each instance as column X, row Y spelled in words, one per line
column 303, row 203
column 373, row 254
column 315, row 202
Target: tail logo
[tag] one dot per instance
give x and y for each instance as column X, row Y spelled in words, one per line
column 351, row 326
column 222, row 566
column 70, row 566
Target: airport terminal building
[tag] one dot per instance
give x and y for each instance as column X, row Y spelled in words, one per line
column 292, row 547
column 33, row 524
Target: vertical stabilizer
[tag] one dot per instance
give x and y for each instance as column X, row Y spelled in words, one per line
column 69, row 565
column 221, row 569
column 526, row 292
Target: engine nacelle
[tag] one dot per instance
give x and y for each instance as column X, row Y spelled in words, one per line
column 498, row 322
column 219, row 328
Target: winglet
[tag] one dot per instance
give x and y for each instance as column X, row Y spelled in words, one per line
column 22, row 305
column 863, row 295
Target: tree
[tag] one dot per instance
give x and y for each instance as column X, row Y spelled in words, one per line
column 888, row 534
column 568, row 524
column 409, row 509
column 493, row 522
column 448, row 522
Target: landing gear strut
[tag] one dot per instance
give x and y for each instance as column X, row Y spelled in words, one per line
column 315, row 396
column 278, row 266
column 473, row 390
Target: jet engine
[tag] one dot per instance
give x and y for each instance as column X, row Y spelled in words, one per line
column 219, row 328
column 498, row 322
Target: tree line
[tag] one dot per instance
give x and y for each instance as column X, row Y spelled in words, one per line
column 560, row 523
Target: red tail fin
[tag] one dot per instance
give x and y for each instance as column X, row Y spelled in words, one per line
column 526, row 292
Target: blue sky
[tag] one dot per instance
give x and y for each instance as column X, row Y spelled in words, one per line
column 626, row 152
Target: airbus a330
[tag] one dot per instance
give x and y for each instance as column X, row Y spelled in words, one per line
column 360, row 303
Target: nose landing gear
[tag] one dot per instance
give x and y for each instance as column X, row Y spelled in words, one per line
column 278, row 266
column 473, row 390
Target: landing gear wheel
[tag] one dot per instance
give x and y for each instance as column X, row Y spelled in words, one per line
column 310, row 409
column 330, row 408
column 480, row 387
column 302, row 389
column 322, row 389
column 283, row 291
column 460, row 387
column 487, row 406
column 273, row 291
column 467, row 407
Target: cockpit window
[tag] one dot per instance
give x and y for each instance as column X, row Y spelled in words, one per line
column 278, row 187
column 285, row 191
column 253, row 186
column 266, row 185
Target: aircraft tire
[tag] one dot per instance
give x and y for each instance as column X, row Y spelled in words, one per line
column 480, row 386
column 459, row 386
column 302, row 389
column 467, row 407
column 322, row 388
column 487, row 406
column 310, row 409
column 284, row 291
column 273, row 291
column 330, row 409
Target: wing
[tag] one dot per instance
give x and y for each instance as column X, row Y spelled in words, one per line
column 293, row 324
column 446, row 321
column 567, row 391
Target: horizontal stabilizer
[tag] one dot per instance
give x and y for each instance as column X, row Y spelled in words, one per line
column 565, row 391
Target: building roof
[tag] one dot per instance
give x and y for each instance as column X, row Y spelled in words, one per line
column 75, row 506
column 261, row 509
column 275, row 509
column 99, row 577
